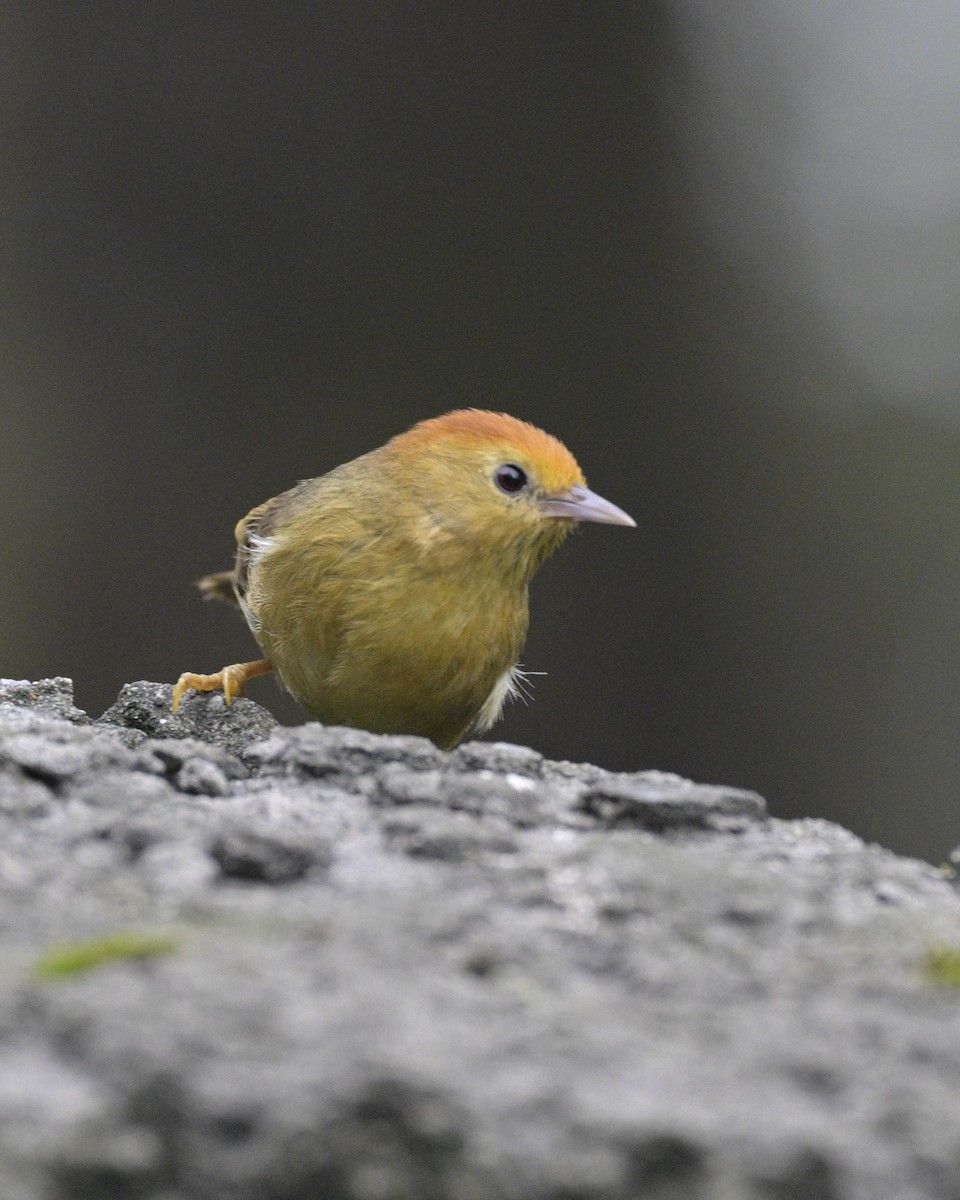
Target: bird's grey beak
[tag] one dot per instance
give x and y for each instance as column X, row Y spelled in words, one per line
column 580, row 504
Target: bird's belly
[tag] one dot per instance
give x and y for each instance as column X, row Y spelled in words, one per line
column 416, row 679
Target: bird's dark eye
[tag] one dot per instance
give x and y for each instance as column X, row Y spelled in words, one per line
column 510, row 478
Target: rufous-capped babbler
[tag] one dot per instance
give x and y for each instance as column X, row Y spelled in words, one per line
column 391, row 593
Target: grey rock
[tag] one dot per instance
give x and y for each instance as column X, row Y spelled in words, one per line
column 21, row 797
column 202, row 778
column 119, row 792
column 514, row 798
column 398, row 784
column 262, row 857
column 318, row 750
column 175, row 755
column 147, row 707
column 503, row 757
column 400, row 973
column 55, row 753
column 174, row 866
column 45, row 697
column 427, row 832
column 657, row 800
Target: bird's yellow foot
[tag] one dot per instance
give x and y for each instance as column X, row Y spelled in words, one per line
column 232, row 680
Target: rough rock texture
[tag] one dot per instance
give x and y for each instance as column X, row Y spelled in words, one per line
column 325, row 964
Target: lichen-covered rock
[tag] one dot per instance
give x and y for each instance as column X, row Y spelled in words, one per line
column 242, row 961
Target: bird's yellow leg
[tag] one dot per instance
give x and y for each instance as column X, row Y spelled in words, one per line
column 232, row 681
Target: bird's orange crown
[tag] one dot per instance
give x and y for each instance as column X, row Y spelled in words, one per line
column 474, row 427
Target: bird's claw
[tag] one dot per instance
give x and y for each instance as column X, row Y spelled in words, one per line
column 224, row 681
column 232, row 681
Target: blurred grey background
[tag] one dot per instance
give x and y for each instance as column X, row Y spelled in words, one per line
column 714, row 248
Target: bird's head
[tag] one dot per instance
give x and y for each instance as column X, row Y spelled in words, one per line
column 491, row 481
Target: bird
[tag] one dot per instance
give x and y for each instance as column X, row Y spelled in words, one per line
column 391, row 594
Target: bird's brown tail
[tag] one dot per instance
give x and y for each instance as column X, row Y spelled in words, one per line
column 218, row 587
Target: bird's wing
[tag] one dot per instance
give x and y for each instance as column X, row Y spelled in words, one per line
column 253, row 534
